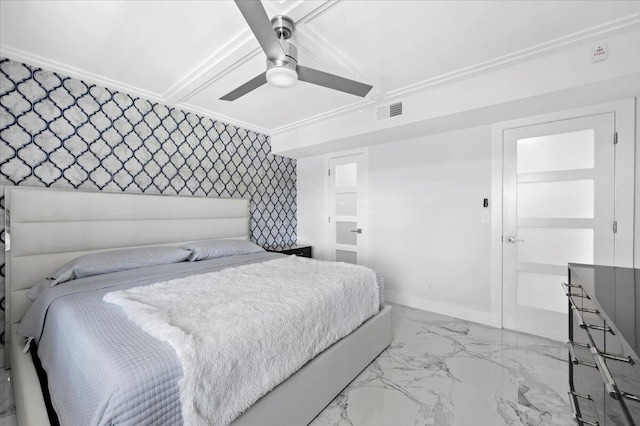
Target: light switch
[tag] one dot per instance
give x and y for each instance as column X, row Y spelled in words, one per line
column 485, row 216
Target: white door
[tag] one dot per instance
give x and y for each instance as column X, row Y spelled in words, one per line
column 558, row 208
column 348, row 231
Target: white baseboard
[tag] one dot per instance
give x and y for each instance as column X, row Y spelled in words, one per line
column 468, row 314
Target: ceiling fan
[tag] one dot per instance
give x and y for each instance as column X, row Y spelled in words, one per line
column 282, row 56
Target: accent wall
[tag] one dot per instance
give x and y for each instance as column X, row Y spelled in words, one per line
column 57, row 131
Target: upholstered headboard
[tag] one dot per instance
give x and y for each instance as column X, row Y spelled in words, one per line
column 46, row 228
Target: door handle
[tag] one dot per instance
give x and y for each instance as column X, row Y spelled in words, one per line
column 357, row 231
column 513, row 240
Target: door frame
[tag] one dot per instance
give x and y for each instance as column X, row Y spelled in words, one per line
column 624, row 111
column 366, row 192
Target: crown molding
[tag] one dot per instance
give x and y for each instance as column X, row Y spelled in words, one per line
column 214, row 67
column 88, row 77
column 244, row 47
column 209, row 74
column 219, row 117
column 623, row 24
column 80, row 74
column 324, row 115
column 306, row 16
column 541, row 49
column 329, row 56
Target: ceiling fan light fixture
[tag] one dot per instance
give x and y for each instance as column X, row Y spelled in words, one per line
column 282, row 76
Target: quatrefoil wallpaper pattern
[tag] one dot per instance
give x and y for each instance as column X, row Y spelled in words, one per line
column 57, row 131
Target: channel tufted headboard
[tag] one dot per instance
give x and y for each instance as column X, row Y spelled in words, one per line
column 46, row 228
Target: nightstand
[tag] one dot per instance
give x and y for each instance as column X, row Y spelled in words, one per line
column 298, row 250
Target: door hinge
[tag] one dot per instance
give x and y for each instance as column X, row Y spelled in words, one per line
column 329, row 172
column 615, row 226
column 615, row 138
column 329, row 219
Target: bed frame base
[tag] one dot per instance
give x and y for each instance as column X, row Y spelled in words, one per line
column 295, row 402
column 30, row 406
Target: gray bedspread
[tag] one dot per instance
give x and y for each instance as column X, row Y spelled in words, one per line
column 102, row 368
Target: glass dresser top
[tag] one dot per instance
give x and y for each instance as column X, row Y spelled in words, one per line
column 617, row 292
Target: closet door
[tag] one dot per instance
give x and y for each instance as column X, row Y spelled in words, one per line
column 558, row 208
column 348, row 209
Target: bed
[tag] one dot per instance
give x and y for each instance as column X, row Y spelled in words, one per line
column 47, row 228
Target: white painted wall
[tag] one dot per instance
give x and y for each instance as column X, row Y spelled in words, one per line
column 311, row 204
column 427, row 236
column 426, row 230
column 428, row 177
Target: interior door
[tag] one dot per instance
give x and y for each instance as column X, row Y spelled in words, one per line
column 348, row 209
column 558, row 208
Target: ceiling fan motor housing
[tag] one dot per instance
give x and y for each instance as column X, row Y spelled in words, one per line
column 283, row 26
column 291, row 53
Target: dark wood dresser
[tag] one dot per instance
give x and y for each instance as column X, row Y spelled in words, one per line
column 604, row 344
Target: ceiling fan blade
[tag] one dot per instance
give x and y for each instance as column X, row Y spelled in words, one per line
column 260, row 25
column 332, row 81
column 250, row 85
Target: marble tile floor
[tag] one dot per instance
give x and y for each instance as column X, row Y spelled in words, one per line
column 445, row 371
column 441, row 371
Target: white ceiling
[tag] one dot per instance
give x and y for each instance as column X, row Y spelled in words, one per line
column 189, row 53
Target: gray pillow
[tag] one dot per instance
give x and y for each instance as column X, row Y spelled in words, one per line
column 212, row 249
column 117, row 260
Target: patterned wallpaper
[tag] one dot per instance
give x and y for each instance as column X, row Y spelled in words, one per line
column 56, row 131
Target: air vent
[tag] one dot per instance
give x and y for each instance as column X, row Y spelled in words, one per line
column 388, row 111
column 395, row 109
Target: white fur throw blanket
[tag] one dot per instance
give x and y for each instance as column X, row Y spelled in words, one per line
column 241, row 331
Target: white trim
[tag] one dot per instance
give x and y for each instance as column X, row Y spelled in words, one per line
column 521, row 55
column 496, row 225
column 555, row 222
column 218, row 64
column 324, row 115
column 556, row 175
column 625, row 186
column 305, row 16
column 467, row 314
column 625, row 126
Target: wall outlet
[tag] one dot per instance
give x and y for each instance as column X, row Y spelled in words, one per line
column 429, row 288
column 484, row 217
